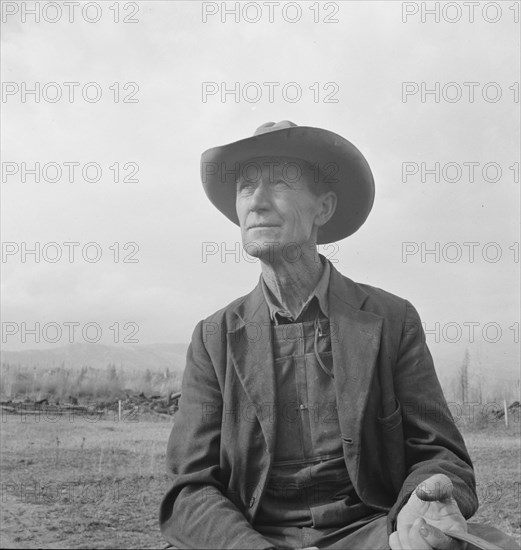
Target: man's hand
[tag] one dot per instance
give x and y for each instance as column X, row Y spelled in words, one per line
column 430, row 508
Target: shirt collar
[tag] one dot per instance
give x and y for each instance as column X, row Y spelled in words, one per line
column 320, row 293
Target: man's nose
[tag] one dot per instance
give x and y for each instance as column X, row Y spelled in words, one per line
column 260, row 198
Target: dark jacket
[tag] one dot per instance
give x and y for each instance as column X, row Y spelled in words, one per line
column 395, row 424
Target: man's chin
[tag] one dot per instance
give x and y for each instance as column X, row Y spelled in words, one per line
column 263, row 250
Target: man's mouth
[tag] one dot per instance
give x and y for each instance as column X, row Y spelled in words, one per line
column 262, row 225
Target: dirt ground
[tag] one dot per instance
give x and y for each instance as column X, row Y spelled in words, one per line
column 83, row 483
column 496, row 454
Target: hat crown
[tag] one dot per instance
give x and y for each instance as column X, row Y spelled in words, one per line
column 274, row 126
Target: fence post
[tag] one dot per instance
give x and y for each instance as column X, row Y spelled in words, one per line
column 119, row 410
column 506, row 412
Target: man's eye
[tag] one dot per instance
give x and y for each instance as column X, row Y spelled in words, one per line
column 245, row 186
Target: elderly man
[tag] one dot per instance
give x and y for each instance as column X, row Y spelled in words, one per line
column 311, row 414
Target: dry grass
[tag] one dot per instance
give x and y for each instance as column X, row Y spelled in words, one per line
column 81, row 484
column 85, row 384
column 98, row 484
column 496, row 455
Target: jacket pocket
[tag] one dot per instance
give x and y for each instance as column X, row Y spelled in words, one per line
column 393, row 448
column 392, row 420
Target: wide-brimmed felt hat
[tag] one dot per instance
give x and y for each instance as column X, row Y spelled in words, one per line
column 342, row 165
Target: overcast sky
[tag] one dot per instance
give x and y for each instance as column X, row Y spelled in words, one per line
column 169, row 53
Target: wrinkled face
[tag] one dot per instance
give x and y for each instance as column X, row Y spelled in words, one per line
column 276, row 207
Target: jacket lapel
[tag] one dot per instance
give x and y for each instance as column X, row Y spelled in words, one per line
column 355, row 343
column 252, row 355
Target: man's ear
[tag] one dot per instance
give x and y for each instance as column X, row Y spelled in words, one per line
column 328, row 202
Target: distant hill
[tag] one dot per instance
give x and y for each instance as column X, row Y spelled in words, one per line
column 98, row 356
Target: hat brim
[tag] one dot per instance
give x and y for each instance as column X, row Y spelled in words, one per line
column 343, row 166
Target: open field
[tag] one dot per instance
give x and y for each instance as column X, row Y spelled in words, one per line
column 81, row 484
column 496, row 453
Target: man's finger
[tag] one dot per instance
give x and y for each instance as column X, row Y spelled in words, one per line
column 436, row 487
column 434, row 537
column 394, row 541
column 417, row 540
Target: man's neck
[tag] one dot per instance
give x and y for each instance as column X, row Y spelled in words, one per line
column 292, row 282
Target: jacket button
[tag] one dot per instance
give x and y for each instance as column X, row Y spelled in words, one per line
column 252, row 502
